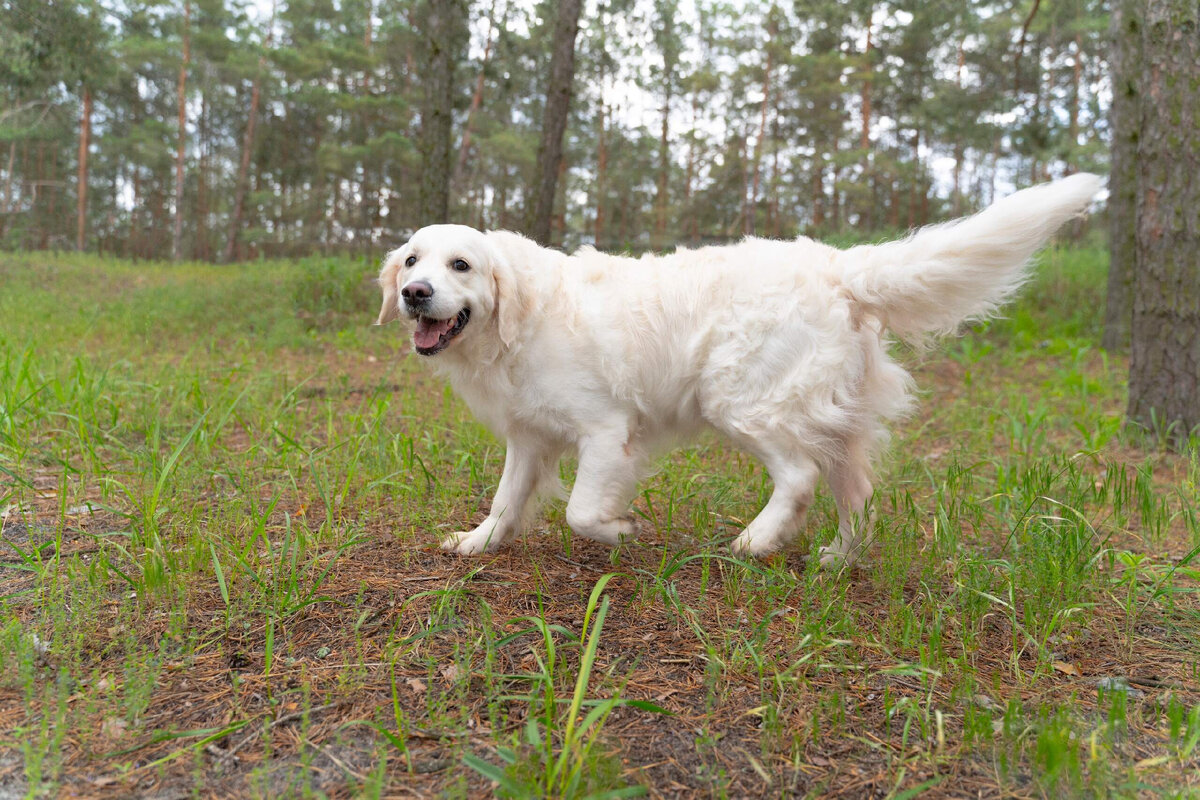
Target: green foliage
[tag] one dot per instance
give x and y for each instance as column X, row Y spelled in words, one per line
column 558, row 756
column 330, row 294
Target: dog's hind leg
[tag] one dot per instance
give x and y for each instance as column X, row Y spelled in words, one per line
column 604, row 487
column 795, row 478
column 850, row 481
column 525, row 465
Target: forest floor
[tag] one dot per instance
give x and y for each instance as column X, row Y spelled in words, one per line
column 222, row 492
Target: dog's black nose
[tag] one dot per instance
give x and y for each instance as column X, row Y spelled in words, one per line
column 416, row 291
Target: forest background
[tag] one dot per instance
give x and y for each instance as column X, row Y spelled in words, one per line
column 227, row 130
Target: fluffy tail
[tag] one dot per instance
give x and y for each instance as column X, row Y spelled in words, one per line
column 943, row 275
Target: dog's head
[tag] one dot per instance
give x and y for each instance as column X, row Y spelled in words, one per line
column 456, row 284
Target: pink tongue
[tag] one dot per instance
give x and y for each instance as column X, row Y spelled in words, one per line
column 429, row 331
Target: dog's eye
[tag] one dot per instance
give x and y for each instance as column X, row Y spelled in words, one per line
column 460, row 265
column 408, row 262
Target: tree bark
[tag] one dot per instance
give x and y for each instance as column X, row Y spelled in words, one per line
column 554, row 122
column 752, row 207
column 1021, row 47
column 835, row 195
column 864, row 139
column 1076, row 79
column 85, row 136
column 818, row 194
column 744, row 159
column 664, row 172
column 444, row 35
column 894, row 201
column 1124, row 44
column 773, row 191
column 177, row 237
column 369, row 202
column 6, row 209
column 916, row 179
column 239, row 192
column 8, row 175
column 958, row 141
column 40, row 201
column 601, row 176
column 477, row 95
column 135, row 213
column 558, row 220
column 689, row 178
column 200, row 249
column 1164, row 369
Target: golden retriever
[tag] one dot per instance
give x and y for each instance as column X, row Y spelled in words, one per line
column 782, row 346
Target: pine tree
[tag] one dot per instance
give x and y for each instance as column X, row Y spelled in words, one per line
column 1122, row 178
column 444, row 28
column 1164, row 366
column 560, row 87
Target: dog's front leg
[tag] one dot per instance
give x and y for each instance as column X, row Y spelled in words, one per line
column 524, row 464
column 604, row 487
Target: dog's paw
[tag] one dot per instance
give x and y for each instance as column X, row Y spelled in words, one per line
column 468, row 543
column 613, row 532
column 834, row 559
column 748, row 545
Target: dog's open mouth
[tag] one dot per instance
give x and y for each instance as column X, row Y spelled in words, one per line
column 432, row 335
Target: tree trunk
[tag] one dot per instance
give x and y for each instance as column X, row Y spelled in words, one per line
column 135, row 240
column 1076, row 79
column 239, row 189
column 864, row 139
column 239, row 192
column 773, row 192
column 818, row 195
column 85, row 136
column 1124, row 44
column 200, row 250
column 1164, row 368
column 8, row 176
column 664, row 172
column 177, row 238
column 762, row 129
column 1021, row 47
column 558, row 220
column 601, row 176
column 554, row 122
column 916, row 179
column 369, row 195
column 925, row 186
column 744, row 159
column 689, row 179
column 477, row 95
column 958, row 141
column 894, row 202
column 835, row 196
column 6, row 209
column 444, row 33
column 41, row 202
column 308, row 227
column 368, row 44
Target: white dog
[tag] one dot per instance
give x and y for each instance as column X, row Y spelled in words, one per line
column 779, row 345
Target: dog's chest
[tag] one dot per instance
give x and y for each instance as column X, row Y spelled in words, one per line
column 508, row 405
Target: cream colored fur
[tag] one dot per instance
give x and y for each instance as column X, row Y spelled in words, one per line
column 779, row 345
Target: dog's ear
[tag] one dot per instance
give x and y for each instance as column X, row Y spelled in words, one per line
column 513, row 299
column 387, row 282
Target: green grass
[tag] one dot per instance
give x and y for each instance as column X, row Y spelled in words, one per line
column 223, row 491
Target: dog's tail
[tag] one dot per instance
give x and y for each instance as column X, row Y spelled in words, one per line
column 944, row 275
